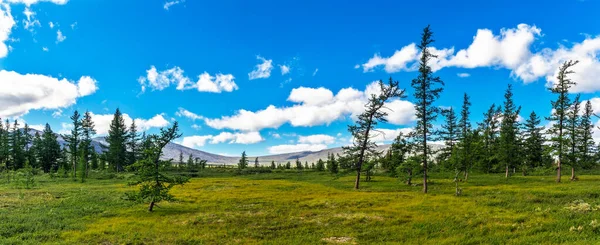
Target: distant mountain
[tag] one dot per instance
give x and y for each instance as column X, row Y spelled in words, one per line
column 172, row 151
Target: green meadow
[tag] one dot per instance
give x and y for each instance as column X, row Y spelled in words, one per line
column 291, row 207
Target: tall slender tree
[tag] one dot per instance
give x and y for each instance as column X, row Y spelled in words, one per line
column 243, row 162
column 509, row 130
column 117, row 140
column 586, row 129
column 256, row 164
column 17, row 147
column 87, row 132
column 573, row 135
column 362, row 131
column 560, row 108
column 74, row 140
column 133, row 143
column 489, row 128
column 449, row 134
column 425, row 93
column 465, row 137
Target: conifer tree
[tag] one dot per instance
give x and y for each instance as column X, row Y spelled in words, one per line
column 35, row 151
column 364, row 128
column 490, row 130
column 399, row 151
column 180, row 163
column 87, row 132
column 190, row 161
column 560, row 108
column 298, row 164
column 133, row 143
column 572, row 132
column 509, row 130
column 17, row 147
column 320, row 165
column 306, row 165
column 26, row 144
column 288, row 165
column 153, row 181
column 465, row 137
column 534, row 141
column 272, row 164
column 4, row 145
column 586, row 129
column 449, row 134
column 50, row 151
column 74, row 140
column 243, row 163
column 256, row 164
column 425, row 93
column 117, row 140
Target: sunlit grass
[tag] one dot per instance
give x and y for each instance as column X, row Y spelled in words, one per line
column 306, row 208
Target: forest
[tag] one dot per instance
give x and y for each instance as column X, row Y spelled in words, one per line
column 492, row 181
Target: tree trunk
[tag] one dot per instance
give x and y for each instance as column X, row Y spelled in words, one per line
column 151, row 206
column 357, row 182
column 409, row 181
column 572, row 173
column 524, row 171
column 558, row 171
column 506, row 176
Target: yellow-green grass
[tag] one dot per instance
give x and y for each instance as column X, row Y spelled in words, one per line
column 306, row 208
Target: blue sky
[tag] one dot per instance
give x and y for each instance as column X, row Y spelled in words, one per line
column 216, row 66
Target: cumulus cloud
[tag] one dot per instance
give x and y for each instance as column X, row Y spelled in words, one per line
column 22, row 93
column 317, row 139
column 282, row 149
column 196, row 141
column 182, row 112
column 160, row 80
column 262, row 70
column 313, row 106
column 509, row 49
column 30, row 21
column 102, row 122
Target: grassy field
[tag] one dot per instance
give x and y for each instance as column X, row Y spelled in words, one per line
column 306, row 208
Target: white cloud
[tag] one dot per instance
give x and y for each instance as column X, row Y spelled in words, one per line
column 73, row 25
column 284, row 69
column 282, row 149
column 275, row 135
column 51, row 25
column 224, row 137
column 196, row 126
column 45, row 49
column 182, row 112
column 510, row 49
column 30, row 22
column 31, row 2
column 262, row 70
column 102, row 122
column 6, row 24
column 57, row 113
column 159, row 80
column 382, row 135
column 169, row 4
column 315, row 72
column 22, row 93
column 463, row 75
column 60, row 37
column 314, row 106
column 317, row 139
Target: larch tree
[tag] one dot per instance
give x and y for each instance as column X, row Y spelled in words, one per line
column 426, row 92
column 256, row 164
column 364, row 128
column 573, row 131
column 560, row 110
column 133, row 143
column 117, row 142
column 88, row 131
column 534, row 143
column 74, row 140
column 449, row 134
column 243, row 162
column 490, row 129
column 465, row 137
column 586, row 129
column 153, row 181
column 509, row 130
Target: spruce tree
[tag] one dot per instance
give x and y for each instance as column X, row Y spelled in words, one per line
column 490, row 130
column 449, row 134
column 425, row 93
column 74, row 140
column 4, row 145
column 36, row 151
column 288, row 165
column 533, row 145
column 243, row 163
column 298, row 164
column 560, row 110
column 364, row 127
column 586, row 129
column 117, row 140
column 256, row 164
column 572, row 132
column 133, row 144
column 272, row 164
column 400, row 149
column 17, row 147
column 320, row 165
column 50, row 151
column 190, row 161
column 509, row 130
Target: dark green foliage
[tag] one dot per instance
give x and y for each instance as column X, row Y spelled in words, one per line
column 154, row 183
column 320, row 165
column 509, row 130
column 73, row 140
column 243, row 162
column 332, row 164
column 298, row 164
column 49, row 151
column 560, row 111
column 87, row 132
column 116, row 155
column 363, row 129
column 490, row 143
column 587, row 145
column 190, row 161
column 256, row 163
column 288, row 165
column 133, row 144
column 466, row 138
column 449, row 134
column 272, row 165
column 425, row 92
column 533, row 145
column 409, row 168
